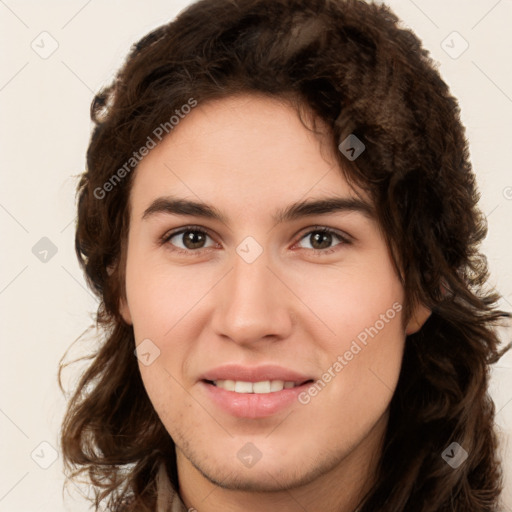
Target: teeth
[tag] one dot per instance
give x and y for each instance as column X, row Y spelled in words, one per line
column 276, row 385
column 243, row 387
column 264, row 386
column 228, row 384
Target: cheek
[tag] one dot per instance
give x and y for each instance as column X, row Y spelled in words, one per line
column 169, row 400
column 352, row 302
column 360, row 336
column 160, row 303
column 159, row 297
column 361, row 372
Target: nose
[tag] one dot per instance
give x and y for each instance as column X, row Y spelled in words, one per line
column 252, row 303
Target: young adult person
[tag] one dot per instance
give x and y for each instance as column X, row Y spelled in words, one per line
column 280, row 220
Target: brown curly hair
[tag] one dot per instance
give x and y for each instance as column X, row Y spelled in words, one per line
column 349, row 63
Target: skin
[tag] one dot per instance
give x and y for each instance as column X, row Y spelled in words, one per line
column 297, row 305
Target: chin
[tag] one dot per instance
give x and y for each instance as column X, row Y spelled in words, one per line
column 251, row 480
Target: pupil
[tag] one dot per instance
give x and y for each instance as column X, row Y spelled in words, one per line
column 193, row 239
column 317, row 237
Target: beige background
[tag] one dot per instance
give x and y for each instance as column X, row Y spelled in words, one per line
column 44, row 109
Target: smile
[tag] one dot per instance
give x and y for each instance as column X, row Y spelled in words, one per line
column 252, row 400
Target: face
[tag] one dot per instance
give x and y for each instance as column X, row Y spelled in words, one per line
column 270, row 333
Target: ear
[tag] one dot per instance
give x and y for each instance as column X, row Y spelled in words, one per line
column 125, row 311
column 419, row 316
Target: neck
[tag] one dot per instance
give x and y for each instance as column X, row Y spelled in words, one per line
column 340, row 488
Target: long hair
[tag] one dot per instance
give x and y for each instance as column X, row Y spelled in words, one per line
column 350, row 64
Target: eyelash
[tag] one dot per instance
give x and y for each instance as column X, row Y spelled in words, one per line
column 197, row 229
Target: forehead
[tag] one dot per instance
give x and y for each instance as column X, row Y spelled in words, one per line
column 245, row 152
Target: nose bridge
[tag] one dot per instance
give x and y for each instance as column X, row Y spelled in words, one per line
column 251, row 302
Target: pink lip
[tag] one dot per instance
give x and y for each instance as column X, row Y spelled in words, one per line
column 254, row 373
column 252, row 405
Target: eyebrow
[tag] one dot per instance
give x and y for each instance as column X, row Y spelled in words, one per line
column 294, row 211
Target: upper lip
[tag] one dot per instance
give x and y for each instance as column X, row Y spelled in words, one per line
column 254, row 373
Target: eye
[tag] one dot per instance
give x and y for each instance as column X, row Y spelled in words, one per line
column 194, row 239
column 321, row 238
column 188, row 239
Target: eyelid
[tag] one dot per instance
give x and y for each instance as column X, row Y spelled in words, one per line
column 183, row 229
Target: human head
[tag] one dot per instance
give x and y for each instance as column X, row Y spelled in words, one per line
column 349, row 65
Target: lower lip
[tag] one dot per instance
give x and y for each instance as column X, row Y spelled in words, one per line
column 252, row 405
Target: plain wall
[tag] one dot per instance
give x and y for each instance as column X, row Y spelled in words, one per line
column 45, row 128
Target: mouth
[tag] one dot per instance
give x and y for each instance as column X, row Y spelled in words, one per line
column 252, row 392
column 260, row 387
column 253, row 400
